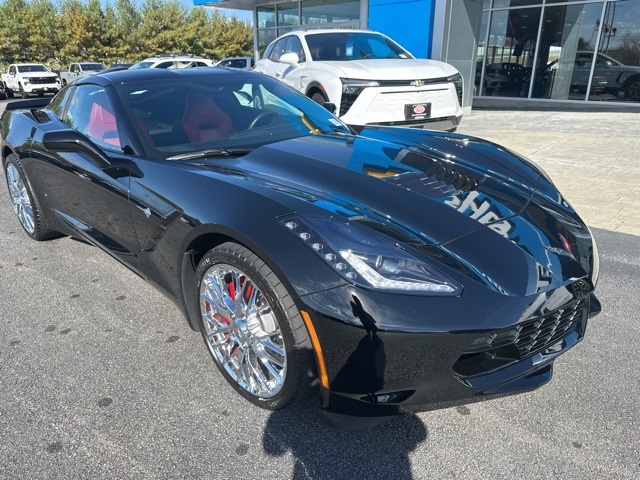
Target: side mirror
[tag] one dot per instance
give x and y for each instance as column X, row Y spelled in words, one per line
column 330, row 106
column 290, row 58
column 73, row 141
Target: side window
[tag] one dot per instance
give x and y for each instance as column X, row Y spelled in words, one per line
column 267, row 52
column 59, row 102
column 295, row 46
column 12, row 70
column 74, row 68
column 278, row 49
column 91, row 113
column 165, row 65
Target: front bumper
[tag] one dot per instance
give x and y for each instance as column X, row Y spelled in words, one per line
column 386, row 106
column 410, row 360
column 44, row 88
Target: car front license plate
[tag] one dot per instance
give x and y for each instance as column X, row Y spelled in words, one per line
column 417, row 111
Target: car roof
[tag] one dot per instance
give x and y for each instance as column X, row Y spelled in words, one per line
column 150, row 74
column 329, row 30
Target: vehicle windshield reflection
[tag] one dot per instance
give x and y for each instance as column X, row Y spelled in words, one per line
column 183, row 117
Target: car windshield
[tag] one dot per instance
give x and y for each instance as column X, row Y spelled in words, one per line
column 341, row 46
column 141, row 65
column 32, row 68
column 92, row 67
column 187, row 115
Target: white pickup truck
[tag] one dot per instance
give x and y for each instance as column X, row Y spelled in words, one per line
column 80, row 70
column 28, row 78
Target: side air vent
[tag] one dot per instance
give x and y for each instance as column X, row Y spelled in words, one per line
column 40, row 116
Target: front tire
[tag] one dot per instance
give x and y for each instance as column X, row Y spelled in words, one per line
column 252, row 328
column 319, row 98
column 22, row 92
column 24, row 202
column 633, row 90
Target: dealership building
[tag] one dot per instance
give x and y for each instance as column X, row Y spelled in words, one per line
column 551, row 52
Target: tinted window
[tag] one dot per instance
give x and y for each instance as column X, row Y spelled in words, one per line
column 164, row 65
column 194, row 113
column 278, row 49
column 353, row 46
column 59, row 102
column 91, row 113
column 295, row 46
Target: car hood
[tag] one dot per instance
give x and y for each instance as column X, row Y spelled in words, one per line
column 464, row 200
column 38, row 74
column 391, row 69
column 412, row 184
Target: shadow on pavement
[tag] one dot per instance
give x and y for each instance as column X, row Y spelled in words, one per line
column 321, row 452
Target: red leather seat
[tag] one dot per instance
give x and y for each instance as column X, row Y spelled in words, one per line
column 204, row 121
column 102, row 125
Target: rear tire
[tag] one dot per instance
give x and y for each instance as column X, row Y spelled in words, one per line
column 24, row 202
column 252, row 328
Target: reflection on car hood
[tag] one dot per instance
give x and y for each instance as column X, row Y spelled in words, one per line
column 415, row 186
column 458, row 196
column 392, row 68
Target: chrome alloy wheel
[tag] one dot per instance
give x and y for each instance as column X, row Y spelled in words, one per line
column 20, row 198
column 241, row 330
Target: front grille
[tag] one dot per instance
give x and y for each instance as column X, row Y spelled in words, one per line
column 41, row 80
column 533, row 336
column 412, row 83
column 524, row 340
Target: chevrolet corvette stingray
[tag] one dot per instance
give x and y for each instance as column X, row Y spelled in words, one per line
column 381, row 267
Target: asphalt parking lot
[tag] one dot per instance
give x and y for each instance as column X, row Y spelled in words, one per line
column 102, row 378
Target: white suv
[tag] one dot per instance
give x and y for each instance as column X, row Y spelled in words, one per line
column 172, row 61
column 368, row 77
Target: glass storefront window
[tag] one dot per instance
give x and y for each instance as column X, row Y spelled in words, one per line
column 559, row 49
column 510, row 52
column 329, row 11
column 617, row 64
column 265, row 37
column 266, row 16
column 515, row 3
column 320, row 13
column 288, row 14
column 565, row 54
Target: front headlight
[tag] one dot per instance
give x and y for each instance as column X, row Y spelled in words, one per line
column 368, row 259
column 352, row 86
column 457, row 83
column 595, row 268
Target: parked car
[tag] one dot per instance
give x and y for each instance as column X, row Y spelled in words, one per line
column 28, row 78
column 368, row 77
column 80, row 70
column 3, row 91
column 172, row 61
column 121, row 65
column 243, row 63
column 610, row 77
column 393, row 268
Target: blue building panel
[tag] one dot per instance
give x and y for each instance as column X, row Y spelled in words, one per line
column 408, row 22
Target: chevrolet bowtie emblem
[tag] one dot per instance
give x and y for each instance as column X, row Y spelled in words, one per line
column 417, row 83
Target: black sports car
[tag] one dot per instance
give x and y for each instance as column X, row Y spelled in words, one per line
column 391, row 267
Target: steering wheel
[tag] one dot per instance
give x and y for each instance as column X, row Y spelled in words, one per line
column 262, row 118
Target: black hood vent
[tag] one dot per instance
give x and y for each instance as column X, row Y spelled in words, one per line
column 40, row 116
column 437, row 181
